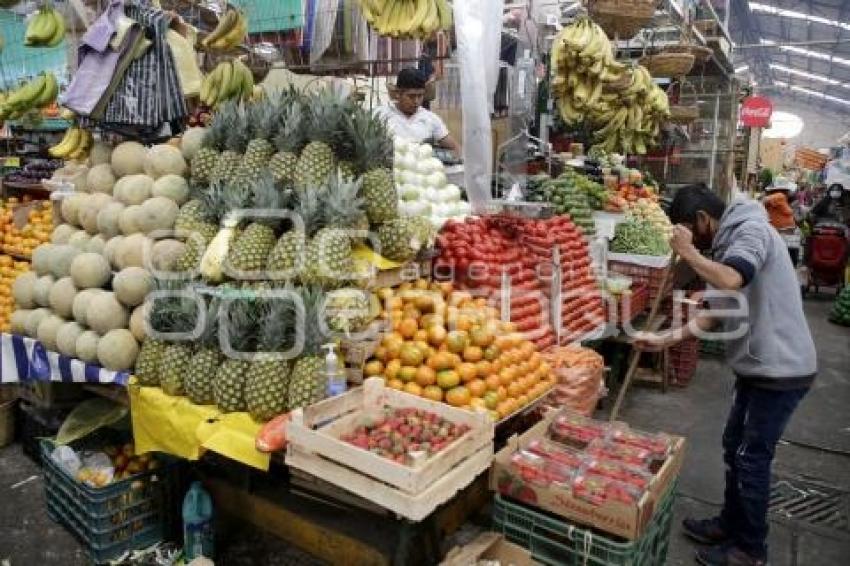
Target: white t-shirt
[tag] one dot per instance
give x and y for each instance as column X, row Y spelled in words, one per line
column 423, row 126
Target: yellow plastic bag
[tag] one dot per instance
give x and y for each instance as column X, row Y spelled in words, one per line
column 186, row 62
column 89, row 416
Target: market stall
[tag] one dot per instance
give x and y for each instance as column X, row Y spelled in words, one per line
column 247, row 276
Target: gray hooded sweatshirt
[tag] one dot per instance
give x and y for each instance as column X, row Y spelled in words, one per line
column 775, row 347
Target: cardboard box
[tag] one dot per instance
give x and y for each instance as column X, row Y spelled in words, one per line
column 627, row 521
column 489, row 546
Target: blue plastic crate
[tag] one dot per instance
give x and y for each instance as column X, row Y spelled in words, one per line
column 124, row 515
column 557, row 542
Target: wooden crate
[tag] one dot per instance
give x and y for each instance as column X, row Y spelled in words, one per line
column 410, row 491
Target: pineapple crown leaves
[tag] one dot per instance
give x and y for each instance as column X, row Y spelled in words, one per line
column 277, row 326
column 309, row 207
column 209, row 336
column 243, row 311
column 214, row 203
column 261, row 118
column 325, row 113
column 239, row 129
column 265, row 196
column 309, row 309
column 173, row 313
column 341, row 205
column 290, row 131
column 220, row 127
column 367, row 140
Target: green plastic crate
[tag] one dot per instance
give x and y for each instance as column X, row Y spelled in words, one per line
column 556, row 542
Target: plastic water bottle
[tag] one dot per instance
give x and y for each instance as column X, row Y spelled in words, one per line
column 198, row 535
column 336, row 381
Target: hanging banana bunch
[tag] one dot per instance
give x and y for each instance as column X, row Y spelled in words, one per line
column 229, row 33
column 407, row 18
column 74, row 145
column 36, row 93
column 229, row 79
column 45, row 29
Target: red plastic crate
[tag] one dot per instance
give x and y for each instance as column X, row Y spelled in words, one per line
column 683, row 360
column 650, row 277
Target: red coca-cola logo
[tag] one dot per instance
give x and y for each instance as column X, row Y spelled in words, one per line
column 756, row 112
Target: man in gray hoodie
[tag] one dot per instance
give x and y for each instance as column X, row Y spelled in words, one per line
column 768, row 346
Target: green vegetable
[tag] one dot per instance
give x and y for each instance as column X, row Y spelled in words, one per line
column 841, row 309
column 636, row 236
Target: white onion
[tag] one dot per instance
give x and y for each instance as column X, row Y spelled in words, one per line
column 452, row 190
column 424, row 151
column 410, row 178
column 437, row 179
column 416, row 208
column 436, row 165
column 408, row 192
column 402, row 145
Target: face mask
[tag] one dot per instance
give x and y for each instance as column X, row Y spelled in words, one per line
column 835, row 194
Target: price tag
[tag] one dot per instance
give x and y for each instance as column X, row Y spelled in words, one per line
column 11, row 162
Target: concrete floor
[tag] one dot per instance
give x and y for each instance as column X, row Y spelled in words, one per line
column 29, row 537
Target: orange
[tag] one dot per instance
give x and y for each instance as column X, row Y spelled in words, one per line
column 458, row 396
column 437, row 334
column 406, row 286
column 477, row 403
column 407, row 373
column 507, row 375
column 421, row 284
column 523, row 400
column 433, row 392
column 467, row 371
column 410, row 355
column 448, row 379
column 394, row 350
column 392, row 339
column 491, row 400
column 492, row 382
column 412, row 388
column 424, row 302
column 395, row 384
column 463, row 323
column 514, row 389
column 483, row 368
column 373, row 367
column 534, row 361
column 392, row 369
column 429, row 320
column 425, row 348
column 491, row 353
column 457, row 340
column 502, row 392
column 473, row 354
column 481, row 337
column 421, row 335
column 477, row 387
column 425, row 376
column 504, row 409
column 408, row 327
column 441, row 361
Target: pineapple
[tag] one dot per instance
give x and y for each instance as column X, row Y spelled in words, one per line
column 288, row 257
column 173, row 367
column 205, row 159
column 371, row 147
column 347, row 170
column 148, row 361
column 237, row 138
column 249, row 252
column 198, row 221
column 289, row 141
column 317, row 160
column 268, row 382
column 329, row 258
column 179, row 316
column 232, row 375
column 306, row 383
column 260, row 149
column 402, row 238
column 343, row 208
column 202, row 369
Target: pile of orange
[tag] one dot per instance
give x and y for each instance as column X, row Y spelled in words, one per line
column 36, row 231
column 9, row 271
column 447, row 346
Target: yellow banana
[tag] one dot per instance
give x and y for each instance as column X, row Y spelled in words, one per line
column 68, row 144
column 48, row 94
column 224, row 26
column 235, row 36
column 446, row 16
column 59, row 34
column 82, row 150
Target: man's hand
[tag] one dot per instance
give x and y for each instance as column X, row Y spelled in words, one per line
column 654, row 341
column 682, row 242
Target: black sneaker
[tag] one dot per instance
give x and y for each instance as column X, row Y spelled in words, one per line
column 727, row 555
column 705, row 531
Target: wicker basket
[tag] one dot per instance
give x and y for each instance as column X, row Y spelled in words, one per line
column 681, row 114
column 668, row 64
column 622, row 18
column 701, row 54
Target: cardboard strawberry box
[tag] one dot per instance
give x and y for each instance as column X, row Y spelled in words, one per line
column 614, row 515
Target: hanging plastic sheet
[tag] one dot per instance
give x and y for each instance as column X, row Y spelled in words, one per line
column 478, row 27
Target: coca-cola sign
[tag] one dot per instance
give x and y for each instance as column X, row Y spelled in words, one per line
column 756, row 112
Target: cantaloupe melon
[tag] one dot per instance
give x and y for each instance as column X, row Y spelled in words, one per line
column 18, row 321
column 66, row 338
column 132, row 285
column 100, row 179
column 41, row 259
column 61, row 257
column 117, row 350
column 137, row 322
column 173, row 187
column 107, row 219
column 134, row 189
column 22, row 290
column 133, row 251
column 90, row 270
column 34, row 320
column 96, row 245
column 79, row 239
column 86, row 346
column 165, row 254
column 62, row 233
column 47, row 330
column 191, row 142
column 70, row 208
column 105, row 313
column 41, row 290
column 61, row 297
column 156, row 214
column 81, row 304
column 110, row 252
column 128, row 219
column 90, row 209
column 128, row 158
column 164, row 159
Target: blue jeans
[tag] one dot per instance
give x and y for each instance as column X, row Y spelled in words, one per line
column 756, row 422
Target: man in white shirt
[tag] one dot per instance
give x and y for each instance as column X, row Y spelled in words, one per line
column 407, row 119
